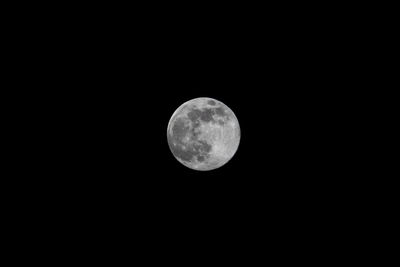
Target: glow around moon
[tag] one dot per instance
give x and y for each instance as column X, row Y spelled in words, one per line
column 203, row 134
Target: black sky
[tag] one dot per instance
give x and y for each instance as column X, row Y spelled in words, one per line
column 121, row 81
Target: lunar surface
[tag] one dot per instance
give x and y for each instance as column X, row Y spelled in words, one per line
column 203, row 134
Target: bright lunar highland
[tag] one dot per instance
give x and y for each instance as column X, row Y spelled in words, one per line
column 203, row 134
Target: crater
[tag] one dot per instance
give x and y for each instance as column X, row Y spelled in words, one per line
column 211, row 102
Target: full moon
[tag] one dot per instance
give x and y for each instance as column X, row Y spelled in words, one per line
column 203, row 134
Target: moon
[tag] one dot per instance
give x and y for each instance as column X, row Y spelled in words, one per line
column 203, row 134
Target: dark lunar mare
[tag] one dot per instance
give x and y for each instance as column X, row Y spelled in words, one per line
column 179, row 129
column 204, row 115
